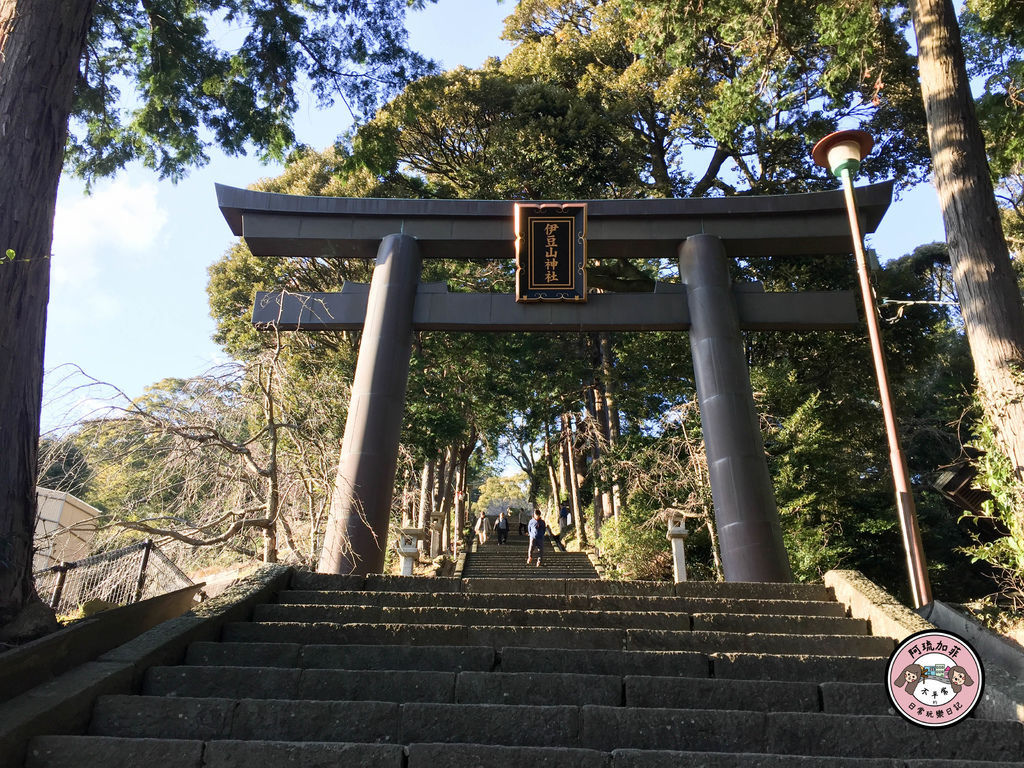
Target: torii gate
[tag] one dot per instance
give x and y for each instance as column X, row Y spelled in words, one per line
column 701, row 233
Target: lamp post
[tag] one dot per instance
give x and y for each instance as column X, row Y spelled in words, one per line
column 841, row 153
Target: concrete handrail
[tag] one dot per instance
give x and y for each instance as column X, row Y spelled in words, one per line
column 42, row 660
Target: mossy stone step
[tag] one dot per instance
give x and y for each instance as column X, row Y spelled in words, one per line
column 702, row 605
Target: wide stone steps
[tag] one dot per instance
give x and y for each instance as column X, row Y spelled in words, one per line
column 402, row 672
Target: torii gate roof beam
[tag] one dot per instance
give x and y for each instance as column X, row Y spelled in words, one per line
column 814, row 223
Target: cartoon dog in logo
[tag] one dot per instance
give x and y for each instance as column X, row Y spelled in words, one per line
column 911, row 677
column 958, row 678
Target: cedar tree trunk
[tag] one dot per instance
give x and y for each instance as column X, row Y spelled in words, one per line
column 989, row 297
column 40, row 47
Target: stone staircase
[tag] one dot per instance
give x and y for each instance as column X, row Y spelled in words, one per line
column 543, row 673
column 508, row 561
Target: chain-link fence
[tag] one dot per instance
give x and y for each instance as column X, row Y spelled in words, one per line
column 119, row 577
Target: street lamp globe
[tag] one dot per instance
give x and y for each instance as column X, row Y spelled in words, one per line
column 842, row 150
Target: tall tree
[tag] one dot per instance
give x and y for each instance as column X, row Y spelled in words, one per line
column 40, row 45
column 64, row 58
column 990, row 299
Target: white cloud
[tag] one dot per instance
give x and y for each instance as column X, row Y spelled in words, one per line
column 118, row 219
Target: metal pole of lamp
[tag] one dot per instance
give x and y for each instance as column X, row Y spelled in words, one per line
column 841, row 153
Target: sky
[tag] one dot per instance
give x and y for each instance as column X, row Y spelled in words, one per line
column 128, row 289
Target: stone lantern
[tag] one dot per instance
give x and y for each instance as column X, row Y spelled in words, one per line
column 408, row 548
column 677, row 534
column 435, row 535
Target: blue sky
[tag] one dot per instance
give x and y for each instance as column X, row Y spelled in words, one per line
column 128, row 291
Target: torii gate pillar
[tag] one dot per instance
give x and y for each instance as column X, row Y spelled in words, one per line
column 747, row 520
column 358, row 522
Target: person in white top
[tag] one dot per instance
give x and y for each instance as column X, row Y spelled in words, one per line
column 482, row 527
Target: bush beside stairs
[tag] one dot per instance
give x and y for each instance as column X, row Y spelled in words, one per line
column 524, row 670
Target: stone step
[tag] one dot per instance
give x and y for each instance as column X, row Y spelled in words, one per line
column 506, row 617
column 439, row 658
column 306, row 580
column 594, row 727
column 527, row 570
column 535, row 688
column 547, row 573
column 725, row 642
column 422, row 634
column 816, row 667
column 517, row 563
column 750, row 666
column 554, row 637
column 76, row 751
column 735, row 666
column 518, row 557
column 509, row 617
column 635, row 758
column 812, row 734
column 306, row 684
column 783, row 624
column 374, row 582
column 546, row 570
column 515, row 550
column 748, row 590
column 477, row 755
column 563, row 602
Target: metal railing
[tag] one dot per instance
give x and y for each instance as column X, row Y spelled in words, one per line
column 119, row 577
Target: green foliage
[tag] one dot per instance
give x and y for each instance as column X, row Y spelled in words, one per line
column 757, row 83
column 162, row 81
column 998, row 532
column 489, row 134
column 514, row 489
column 993, row 32
column 635, row 546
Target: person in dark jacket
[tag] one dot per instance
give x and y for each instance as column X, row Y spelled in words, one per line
column 501, row 527
column 537, row 529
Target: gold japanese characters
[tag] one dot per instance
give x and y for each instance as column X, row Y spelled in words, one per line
column 551, row 252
